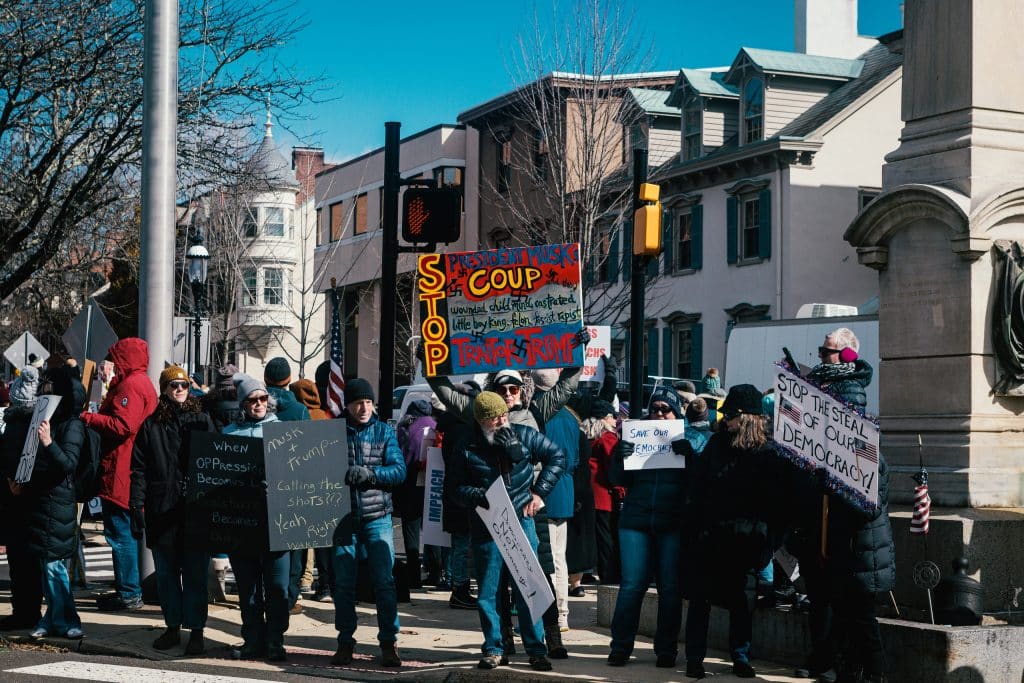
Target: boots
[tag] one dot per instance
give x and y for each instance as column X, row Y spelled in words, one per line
column 389, row 655
column 553, row 638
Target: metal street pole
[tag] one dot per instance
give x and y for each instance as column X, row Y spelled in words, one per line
column 197, row 310
column 636, row 301
column 389, row 268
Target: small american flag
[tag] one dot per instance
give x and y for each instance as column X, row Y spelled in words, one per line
column 865, row 450
column 789, row 410
column 336, row 381
column 922, row 504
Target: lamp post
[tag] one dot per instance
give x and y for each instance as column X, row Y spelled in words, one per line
column 198, row 261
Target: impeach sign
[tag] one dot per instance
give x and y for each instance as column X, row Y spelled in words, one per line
column 517, row 308
column 822, row 432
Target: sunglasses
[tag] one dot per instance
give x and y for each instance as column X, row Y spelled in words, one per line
column 178, row 385
column 257, row 399
column 660, row 409
column 825, row 351
column 510, row 389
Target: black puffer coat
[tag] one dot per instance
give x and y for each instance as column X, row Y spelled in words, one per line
column 847, row 381
column 160, row 461
column 455, row 518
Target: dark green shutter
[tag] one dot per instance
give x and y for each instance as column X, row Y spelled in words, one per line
column 627, row 251
column 652, row 351
column 588, row 272
column 696, row 349
column 731, row 216
column 764, row 231
column 697, row 237
column 666, row 352
column 667, row 243
column 613, row 256
column 652, row 266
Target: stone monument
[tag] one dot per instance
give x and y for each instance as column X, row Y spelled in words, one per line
column 952, row 189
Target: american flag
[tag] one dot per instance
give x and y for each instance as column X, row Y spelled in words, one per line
column 790, row 411
column 922, row 504
column 336, row 381
column 865, row 450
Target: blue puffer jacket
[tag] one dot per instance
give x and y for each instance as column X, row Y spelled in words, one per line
column 564, row 431
column 375, row 445
column 482, row 463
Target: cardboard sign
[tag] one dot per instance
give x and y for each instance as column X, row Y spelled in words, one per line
column 90, row 335
column 433, row 502
column 516, row 308
column 502, row 521
column 600, row 345
column 820, row 432
column 43, row 410
column 226, row 508
column 653, row 440
column 305, row 463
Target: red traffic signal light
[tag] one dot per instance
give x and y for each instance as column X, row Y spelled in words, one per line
column 431, row 215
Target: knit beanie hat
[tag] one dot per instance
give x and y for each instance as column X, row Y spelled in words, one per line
column 697, row 411
column 545, row 379
column 357, row 390
column 487, row 405
column 601, row 409
column 170, row 374
column 508, row 377
column 278, row 373
column 246, row 385
column 669, row 396
column 35, row 361
column 226, row 375
column 25, row 387
column 742, row 399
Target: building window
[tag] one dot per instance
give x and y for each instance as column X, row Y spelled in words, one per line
column 504, row 170
column 684, row 240
column 692, row 128
column 337, row 221
column 682, row 353
column 750, row 223
column 448, row 176
column 273, row 225
column 290, row 219
column 273, row 287
column 865, row 196
column 753, row 110
column 249, row 223
column 361, row 206
column 249, row 287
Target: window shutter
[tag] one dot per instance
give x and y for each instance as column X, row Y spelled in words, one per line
column 652, row 266
column 652, row 351
column 764, row 232
column 627, row 251
column 731, row 222
column 696, row 349
column 667, row 242
column 697, row 237
column 666, row 352
column 613, row 256
column 588, row 272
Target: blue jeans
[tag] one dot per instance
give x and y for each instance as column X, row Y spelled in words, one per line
column 60, row 603
column 374, row 541
column 647, row 553
column 181, row 582
column 458, row 560
column 730, row 589
column 124, row 549
column 262, row 596
column 489, row 565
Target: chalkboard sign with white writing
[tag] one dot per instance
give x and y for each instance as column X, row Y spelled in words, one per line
column 226, row 508
column 307, row 496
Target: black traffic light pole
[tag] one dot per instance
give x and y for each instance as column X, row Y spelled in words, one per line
column 636, row 304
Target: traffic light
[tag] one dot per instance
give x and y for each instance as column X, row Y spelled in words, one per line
column 431, row 214
column 647, row 222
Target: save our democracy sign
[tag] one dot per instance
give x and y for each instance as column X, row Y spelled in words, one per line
column 653, row 444
column 821, row 432
column 519, row 308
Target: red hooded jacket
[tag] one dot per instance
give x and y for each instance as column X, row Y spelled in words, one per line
column 130, row 400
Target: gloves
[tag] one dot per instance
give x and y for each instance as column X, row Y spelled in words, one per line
column 611, row 366
column 624, row 449
column 479, row 499
column 506, row 439
column 138, row 522
column 581, row 338
column 360, row 477
column 681, row 446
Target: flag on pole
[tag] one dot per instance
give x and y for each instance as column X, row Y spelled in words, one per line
column 336, row 381
column 922, row 504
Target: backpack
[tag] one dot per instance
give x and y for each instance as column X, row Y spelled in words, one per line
column 87, row 476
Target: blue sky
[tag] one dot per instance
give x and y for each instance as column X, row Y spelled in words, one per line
column 423, row 63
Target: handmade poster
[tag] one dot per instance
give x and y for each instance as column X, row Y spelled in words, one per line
column 43, row 410
column 653, row 440
column 226, row 508
column 519, row 308
column 433, row 501
column 600, row 345
column 819, row 431
column 502, row 522
column 305, row 464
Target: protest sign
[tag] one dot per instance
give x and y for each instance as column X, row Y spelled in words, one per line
column 820, row 432
column 306, row 463
column 90, row 336
column 433, row 502
column 517, row 308
column 653, row 440
column 600, row 345
column 23, row 347
column 226, row 508
column 503, row 523
column 44, row 409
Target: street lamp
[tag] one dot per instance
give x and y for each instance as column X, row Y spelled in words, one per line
column 198, row 258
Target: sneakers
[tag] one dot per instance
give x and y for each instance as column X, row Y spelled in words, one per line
column 323, row 596
column 74, row 633
column 540, row 663
column 112, row 602
column 743, row 670
column 389, row 655
column 617, row 658
column 491, row 662
column 168, row 639
column 38, row 632
column 196, row 643
column 695, row 670
column 343, row 656
column 462, row 598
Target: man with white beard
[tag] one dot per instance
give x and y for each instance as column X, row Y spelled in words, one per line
column 496, row 449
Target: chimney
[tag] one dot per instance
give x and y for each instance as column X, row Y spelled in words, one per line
column 828, row 28
column 307, row 162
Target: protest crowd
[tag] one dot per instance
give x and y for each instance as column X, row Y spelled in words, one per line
column 708, row 528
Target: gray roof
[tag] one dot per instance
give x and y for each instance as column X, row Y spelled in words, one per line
column 269, row 164
column 711, row 83
column 653, row 101
column 778, row 61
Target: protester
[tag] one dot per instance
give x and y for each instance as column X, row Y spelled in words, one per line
column 607, row 497
column 160, row 463
column 262, row 577
column 278, row 375
column 221, row 404
column 842, row 372
column 580, row 553
column 416, row 426
column 497, row 449
column 375, row 466
column 40, row 513
column 712, row 382
column 455, row 519
column 129, row 401
column 306, row 392
column 308, row 395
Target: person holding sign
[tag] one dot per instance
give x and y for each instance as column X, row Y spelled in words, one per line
column 375, row 467
column 499, row 449
column 160, row 459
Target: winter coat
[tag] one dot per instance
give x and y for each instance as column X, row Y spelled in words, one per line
column 564, row 431
column 250, row 428
column 453, row 432
column 580, row 548
column 861, row 552
column 160, row 462
column 288, row 407
column 306, row 393
column 375, row 445
column 130, row 400
column 415, row 426
column 482, row 464
column 601, row 452
column 25, row 386
column 846, row 381
column 222, row 407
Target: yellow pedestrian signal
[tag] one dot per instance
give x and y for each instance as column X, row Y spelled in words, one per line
column 647, row 230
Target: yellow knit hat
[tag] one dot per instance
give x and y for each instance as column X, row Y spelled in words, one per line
column 170, row 374
column 488, row 404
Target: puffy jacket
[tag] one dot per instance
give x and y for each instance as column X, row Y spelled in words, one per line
column 375, row 445
column 482, row 463
column 160, row 460
column 847, row 381
column 306, row 393
column 861, row 553
column 130, row 400
column 564, row 431
column 288, row 407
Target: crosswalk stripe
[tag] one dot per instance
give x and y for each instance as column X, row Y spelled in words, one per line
column 115, row 673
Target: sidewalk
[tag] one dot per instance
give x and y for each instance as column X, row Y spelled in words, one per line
column 436, row 644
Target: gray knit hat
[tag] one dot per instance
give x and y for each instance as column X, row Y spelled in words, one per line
column 245, row 385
